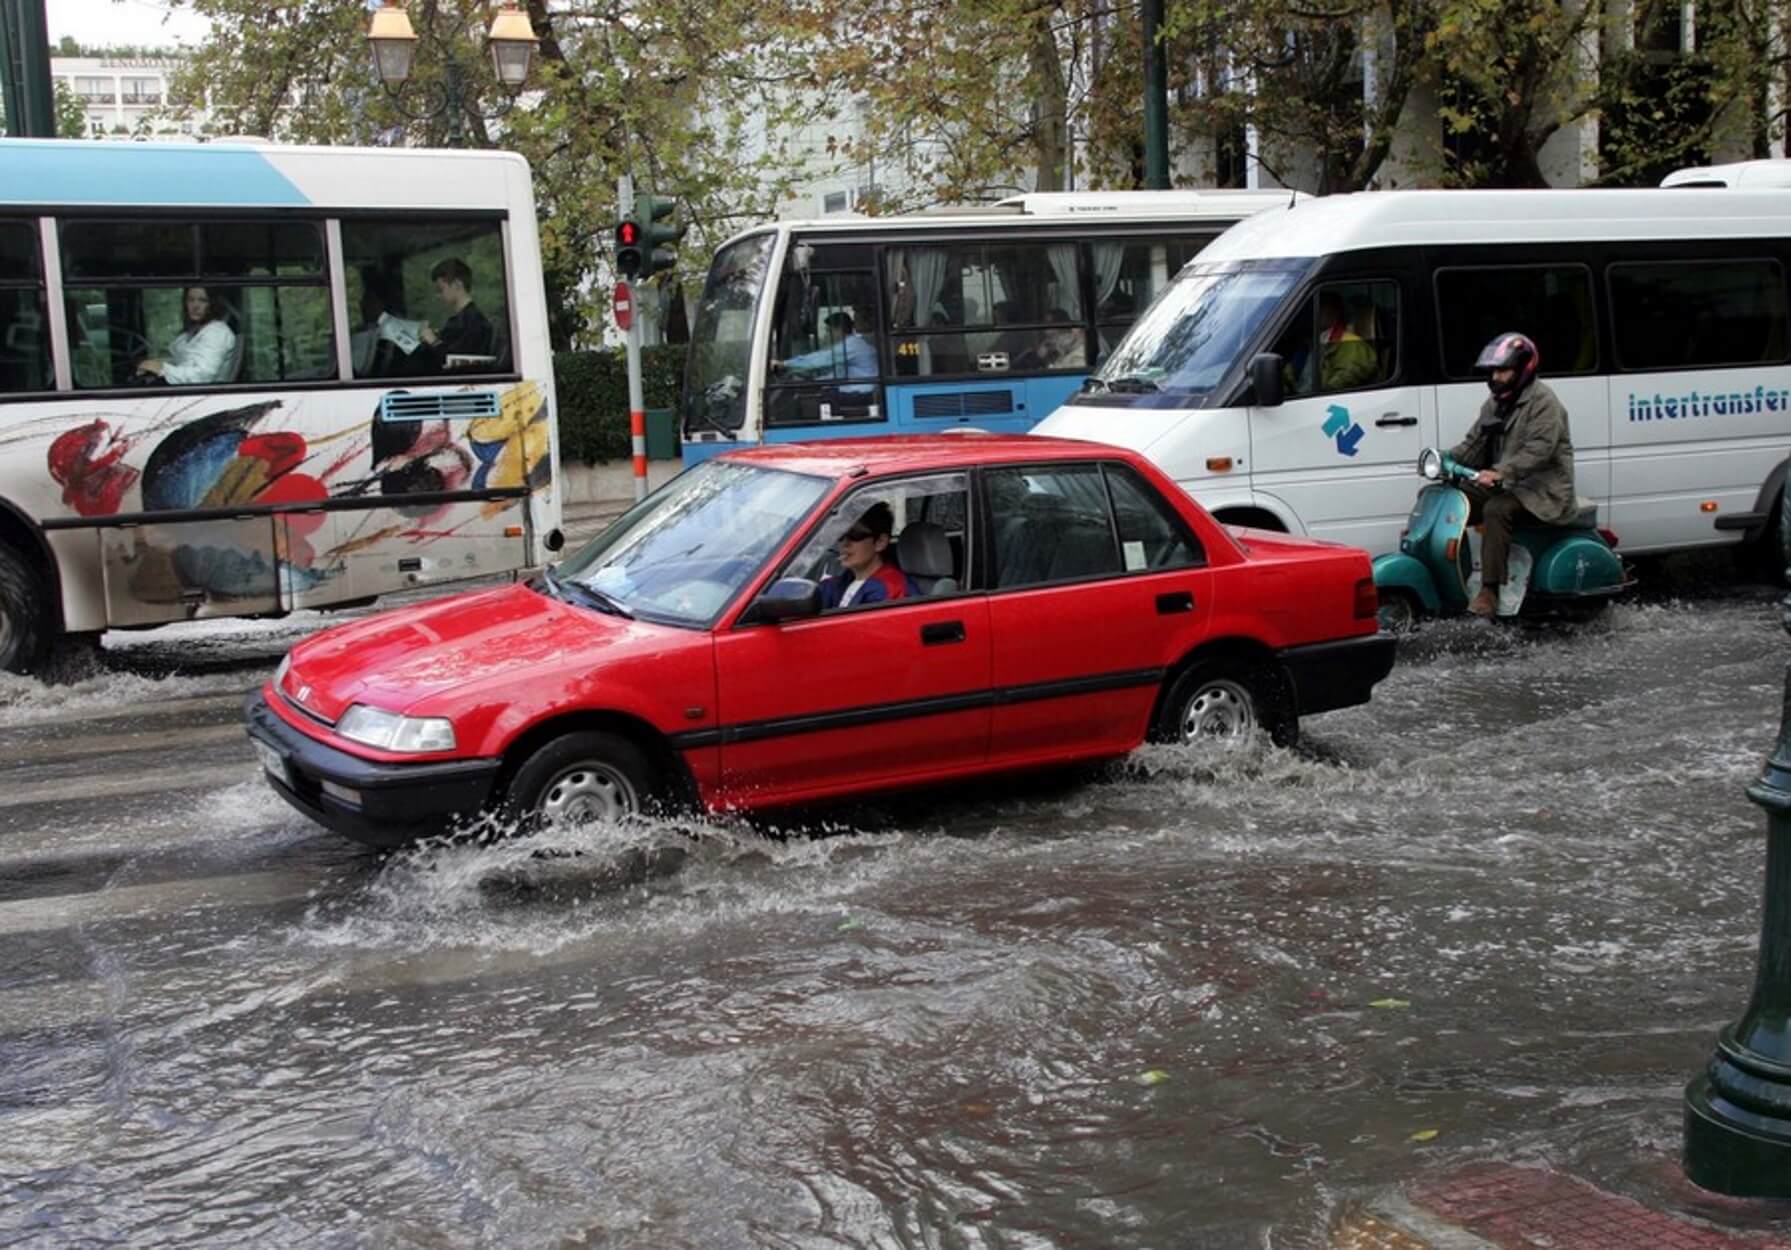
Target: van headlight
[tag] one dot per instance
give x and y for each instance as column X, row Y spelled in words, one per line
column 391, row 732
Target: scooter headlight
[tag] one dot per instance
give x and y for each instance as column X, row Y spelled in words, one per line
column 390, row 731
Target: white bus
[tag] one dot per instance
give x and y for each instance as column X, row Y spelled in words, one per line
column 986, row 317
column 243, row 379
column 1660, row 317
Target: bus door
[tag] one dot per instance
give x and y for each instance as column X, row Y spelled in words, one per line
column 1341, row 448
column 825, row 374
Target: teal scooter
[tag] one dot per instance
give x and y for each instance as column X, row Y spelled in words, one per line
column 1569, row 570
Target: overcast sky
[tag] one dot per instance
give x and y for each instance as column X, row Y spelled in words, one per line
column 104, row 23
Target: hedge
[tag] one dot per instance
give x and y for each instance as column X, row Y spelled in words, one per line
column 592, row 388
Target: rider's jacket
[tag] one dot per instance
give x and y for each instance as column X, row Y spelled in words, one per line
column 1530, row 446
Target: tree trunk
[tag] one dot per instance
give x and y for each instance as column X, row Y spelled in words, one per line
column 1051, row 105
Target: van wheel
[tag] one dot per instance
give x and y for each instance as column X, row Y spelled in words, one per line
column 1227, row 700
column 1399, row 612
column 1766, row 556
column 22, row 632
column 580, row 777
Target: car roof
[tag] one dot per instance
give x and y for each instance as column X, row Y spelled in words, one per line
column 905, row 453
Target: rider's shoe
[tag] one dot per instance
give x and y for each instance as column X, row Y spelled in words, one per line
column 1486, row 602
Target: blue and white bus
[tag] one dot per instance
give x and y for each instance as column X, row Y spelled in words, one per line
column 242, row 379
column 987, row 317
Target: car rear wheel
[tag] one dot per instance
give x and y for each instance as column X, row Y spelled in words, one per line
column 1227, row 700
column 21, row 614
column 578, row 778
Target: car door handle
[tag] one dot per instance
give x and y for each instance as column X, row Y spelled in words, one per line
column 1393, row 418
column 941, row 632
column 1177, row 601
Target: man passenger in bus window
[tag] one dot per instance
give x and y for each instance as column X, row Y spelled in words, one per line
column 850, row 355
column 1521, row 445
column 202, row 352
column 465, row 339
column 866, row 579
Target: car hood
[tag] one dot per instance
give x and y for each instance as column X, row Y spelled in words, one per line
column 395, row 659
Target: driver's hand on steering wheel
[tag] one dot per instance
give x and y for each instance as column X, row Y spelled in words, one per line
column 151, row 365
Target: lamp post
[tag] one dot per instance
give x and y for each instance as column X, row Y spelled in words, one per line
column 1738, row 1111
column 511, row 41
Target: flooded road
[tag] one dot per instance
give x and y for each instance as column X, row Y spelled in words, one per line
column 1200, row 1000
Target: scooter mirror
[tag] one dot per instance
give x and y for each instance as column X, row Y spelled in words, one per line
column 1430, row 464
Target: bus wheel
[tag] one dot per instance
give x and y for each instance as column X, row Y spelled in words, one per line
column 22, row 630
column 580, row 777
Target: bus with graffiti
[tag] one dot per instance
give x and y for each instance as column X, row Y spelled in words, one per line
column 244, row 379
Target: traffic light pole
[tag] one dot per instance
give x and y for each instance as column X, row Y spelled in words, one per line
column 637, row 405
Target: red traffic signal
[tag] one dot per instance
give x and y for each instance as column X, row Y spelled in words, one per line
column 628, row 247
column 628, row 234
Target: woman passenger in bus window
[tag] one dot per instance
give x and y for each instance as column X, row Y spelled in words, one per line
column 202, row 352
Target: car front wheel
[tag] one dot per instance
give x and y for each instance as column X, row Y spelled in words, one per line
column 579, row 778
column 1226, row 701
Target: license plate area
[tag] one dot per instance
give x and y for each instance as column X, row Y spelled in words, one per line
column 274, row 762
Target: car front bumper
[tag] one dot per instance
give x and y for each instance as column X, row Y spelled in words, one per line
column 393, row 804
column 1330, row 675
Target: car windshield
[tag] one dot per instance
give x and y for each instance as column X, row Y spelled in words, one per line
column 1188, row 339
column 720, row 350
column 681, row 555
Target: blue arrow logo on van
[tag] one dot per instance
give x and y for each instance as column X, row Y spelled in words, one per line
column 1340, row 427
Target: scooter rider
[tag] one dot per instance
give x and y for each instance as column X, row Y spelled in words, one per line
column 1521, row 446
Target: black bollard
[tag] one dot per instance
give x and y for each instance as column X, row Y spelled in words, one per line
column 1738, row 1112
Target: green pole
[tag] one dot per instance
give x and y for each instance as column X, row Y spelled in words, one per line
column 1738, row 1111
column 25, row 69
column 1156, row 100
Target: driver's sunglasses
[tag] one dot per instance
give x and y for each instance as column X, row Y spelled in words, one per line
column 857, row 534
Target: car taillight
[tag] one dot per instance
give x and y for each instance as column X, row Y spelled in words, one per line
column 1609, row 536
column 1368, row 599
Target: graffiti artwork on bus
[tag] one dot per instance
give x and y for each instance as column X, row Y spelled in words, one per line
column 238, row 457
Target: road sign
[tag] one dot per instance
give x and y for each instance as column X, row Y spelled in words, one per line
column 624, row 306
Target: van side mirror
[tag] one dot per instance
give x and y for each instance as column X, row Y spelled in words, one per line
column 786, row 599
column 1265, row 379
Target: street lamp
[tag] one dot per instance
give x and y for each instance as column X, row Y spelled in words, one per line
column 511, row 42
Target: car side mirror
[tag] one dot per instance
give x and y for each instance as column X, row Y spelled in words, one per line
column 786, row 599
column 1265, row 379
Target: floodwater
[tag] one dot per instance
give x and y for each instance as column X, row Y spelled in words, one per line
column 1198, row 1000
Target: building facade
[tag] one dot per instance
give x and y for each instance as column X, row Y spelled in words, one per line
column 125, row 97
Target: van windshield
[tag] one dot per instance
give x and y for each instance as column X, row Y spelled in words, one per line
column 1188, row 339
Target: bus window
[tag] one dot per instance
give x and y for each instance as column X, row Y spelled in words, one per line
column 1128, row 273
column 1697, row 314
column 196, row 304
column 1550, row 303
column 985, row 308
column 824, row 360
column 721, row 340
column 1345, row 338
column 24, row 335
column 426, row 297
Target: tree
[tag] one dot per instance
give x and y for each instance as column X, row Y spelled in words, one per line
column 71, row 113
column 616, row 91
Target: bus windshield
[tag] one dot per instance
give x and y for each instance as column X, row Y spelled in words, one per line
column 721, row 340
column 1187, row 340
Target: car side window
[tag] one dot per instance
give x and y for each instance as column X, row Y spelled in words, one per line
column 1345, row 338
column 1051, row 523
column 925, row 555
column 1151, row 536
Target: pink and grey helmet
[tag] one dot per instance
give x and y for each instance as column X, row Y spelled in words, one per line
column 1510, row 351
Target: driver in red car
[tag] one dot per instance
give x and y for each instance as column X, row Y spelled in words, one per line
column 867, row 578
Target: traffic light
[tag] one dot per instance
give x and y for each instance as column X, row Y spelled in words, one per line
column 628, row 247
column 657, row 239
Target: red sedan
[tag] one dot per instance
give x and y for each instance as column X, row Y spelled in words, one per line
column 804, row 621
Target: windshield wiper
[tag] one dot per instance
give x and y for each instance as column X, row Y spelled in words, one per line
column 1092, row 384
column 1133, row 384
column 569, row 591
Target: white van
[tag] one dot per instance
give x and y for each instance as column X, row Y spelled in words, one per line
column 1660, row 317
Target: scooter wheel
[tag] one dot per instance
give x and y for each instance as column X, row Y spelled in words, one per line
column 1399, row 612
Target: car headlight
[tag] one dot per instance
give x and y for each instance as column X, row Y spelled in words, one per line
column 280, row 672
column 391, row 732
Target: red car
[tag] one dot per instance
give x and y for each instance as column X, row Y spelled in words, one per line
column 1035, row 601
